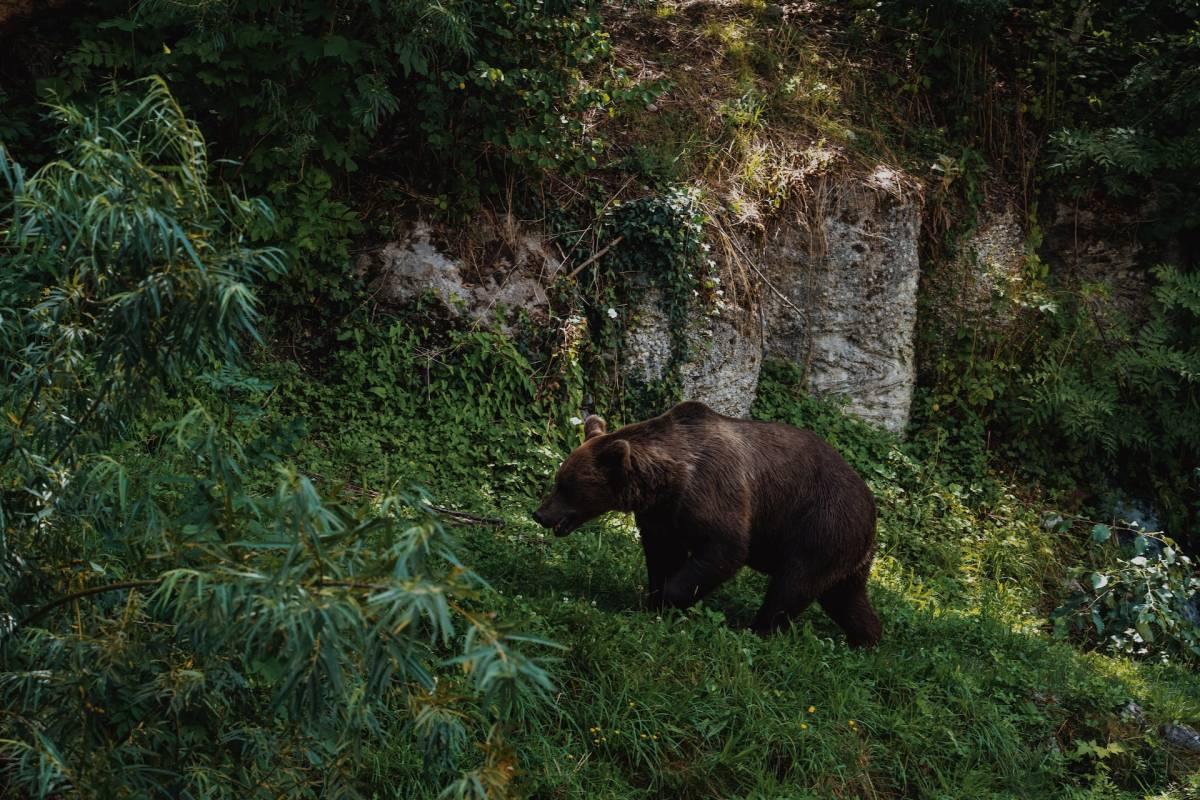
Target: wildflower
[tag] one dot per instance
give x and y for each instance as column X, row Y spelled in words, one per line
column 812, row 709
column 575, row 421
column 644, row 736
column 803, row 726
column 612, row 313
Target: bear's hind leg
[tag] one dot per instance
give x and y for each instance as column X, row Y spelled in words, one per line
column 846, row 602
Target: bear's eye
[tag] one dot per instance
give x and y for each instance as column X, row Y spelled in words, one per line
column 565, row 491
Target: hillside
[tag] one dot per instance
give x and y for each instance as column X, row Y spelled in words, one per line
column 303, row 303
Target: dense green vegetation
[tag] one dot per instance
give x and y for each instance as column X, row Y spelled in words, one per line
column 259, row 539
column 1089, row 105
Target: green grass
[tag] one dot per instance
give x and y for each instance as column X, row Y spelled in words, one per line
column 967, row 695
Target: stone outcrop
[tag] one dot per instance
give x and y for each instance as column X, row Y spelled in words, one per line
column 1100, row 247
column 992, row 257
column 14, row 11
column 837, row 296
column 841, row 297
column 515, row 276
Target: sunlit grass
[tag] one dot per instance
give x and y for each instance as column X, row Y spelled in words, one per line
column 967, row 694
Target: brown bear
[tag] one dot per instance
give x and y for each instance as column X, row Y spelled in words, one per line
column 712, row 493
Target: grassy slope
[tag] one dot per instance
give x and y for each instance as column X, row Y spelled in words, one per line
column 966, row 696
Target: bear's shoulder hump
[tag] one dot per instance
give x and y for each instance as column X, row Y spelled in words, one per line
column 690, row 410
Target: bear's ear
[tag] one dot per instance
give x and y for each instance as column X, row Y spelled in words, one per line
column 593, row 426
column 616, row 459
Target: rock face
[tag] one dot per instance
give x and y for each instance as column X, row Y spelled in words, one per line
column 1181, row 736
column 993, row 256
column 838, row 298
column 841, row 300
column 514, row 277
column 722, row 365
column 13, row 8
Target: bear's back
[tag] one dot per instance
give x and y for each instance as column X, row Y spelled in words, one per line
column 776, row 472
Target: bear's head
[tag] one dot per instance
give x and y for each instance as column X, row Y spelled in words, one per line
column 594, row 479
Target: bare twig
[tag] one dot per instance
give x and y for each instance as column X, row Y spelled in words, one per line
column 598, row 254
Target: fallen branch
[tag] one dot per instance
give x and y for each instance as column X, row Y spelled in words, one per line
column 462, row 517
column 466, row 516
column 598, row 254
column 108, row 587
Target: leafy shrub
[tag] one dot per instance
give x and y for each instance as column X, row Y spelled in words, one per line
column 1117, row 400
column 1055, row 94
column 184, row 614
column 298, row 95
column 1140, row 603
column 121, row 268
column 781, row 397
column 465, row 407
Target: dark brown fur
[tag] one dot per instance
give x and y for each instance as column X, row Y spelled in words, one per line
column 711, row 493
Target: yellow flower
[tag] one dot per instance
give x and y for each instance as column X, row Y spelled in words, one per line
column 812, row 709
column 644, row 736
column 803, row 726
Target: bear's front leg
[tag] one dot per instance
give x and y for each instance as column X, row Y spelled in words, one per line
column 664, row 557
column 710, row 565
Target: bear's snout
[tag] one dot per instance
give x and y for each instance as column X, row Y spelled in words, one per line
column 553, row 515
